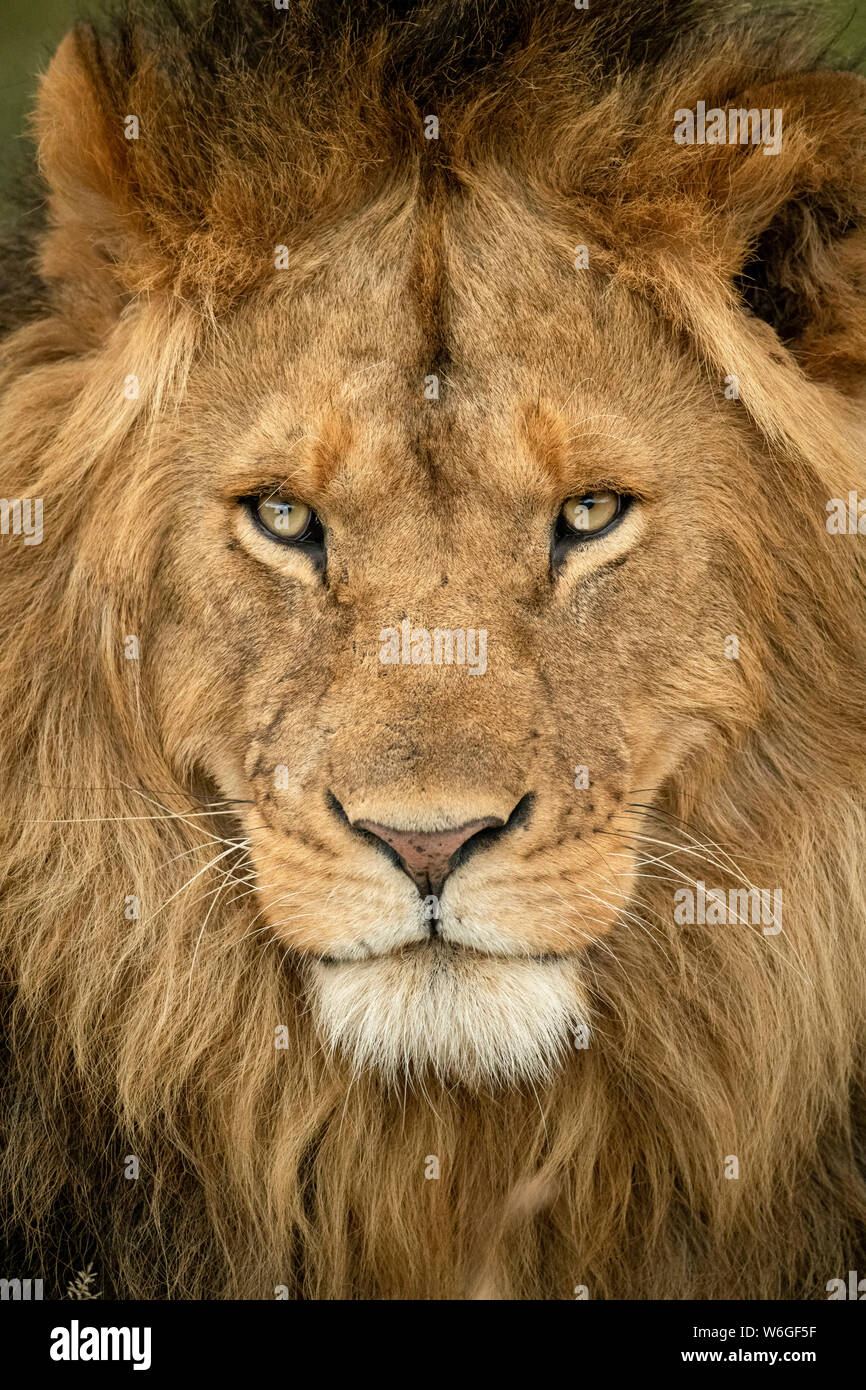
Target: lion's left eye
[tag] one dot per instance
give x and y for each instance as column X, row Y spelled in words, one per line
column 589, row 514
column 293, row 523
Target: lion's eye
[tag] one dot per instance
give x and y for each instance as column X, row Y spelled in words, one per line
column 590, row 514
column 291, row 522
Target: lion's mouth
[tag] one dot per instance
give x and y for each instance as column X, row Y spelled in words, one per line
column 447, row 953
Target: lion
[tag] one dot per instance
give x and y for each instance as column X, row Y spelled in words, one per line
column 433, row 746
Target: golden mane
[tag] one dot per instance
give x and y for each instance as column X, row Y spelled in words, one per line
column 150, row 1036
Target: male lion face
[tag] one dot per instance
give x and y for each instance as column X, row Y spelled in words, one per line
column 440, row 841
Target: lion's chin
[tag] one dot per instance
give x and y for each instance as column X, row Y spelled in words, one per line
column 480, row 1020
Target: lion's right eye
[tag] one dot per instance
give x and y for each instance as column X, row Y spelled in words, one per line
column 293, row 523
column 590, row 514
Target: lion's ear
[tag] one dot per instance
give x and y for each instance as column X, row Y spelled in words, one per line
column 798, row 220
column 759, row 252
column 94, row 229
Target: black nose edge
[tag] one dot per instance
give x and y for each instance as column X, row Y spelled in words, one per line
column 482, row 839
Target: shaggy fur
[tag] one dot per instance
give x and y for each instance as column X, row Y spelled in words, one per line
column 153, row 778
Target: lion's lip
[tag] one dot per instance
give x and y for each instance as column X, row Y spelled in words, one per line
column 443, row 950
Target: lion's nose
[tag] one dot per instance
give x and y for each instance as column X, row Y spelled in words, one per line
column 426, row 855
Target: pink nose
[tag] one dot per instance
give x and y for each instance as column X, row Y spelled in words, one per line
column 426, row 854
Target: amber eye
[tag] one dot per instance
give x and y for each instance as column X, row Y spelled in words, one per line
column 589, row 514
column 292, row 522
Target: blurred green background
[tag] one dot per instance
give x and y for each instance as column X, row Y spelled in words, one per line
column 31, row 29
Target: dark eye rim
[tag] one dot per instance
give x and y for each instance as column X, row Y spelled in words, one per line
column 564, row 537
column 312, row 538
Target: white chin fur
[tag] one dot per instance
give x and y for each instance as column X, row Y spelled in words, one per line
column 482, row 1020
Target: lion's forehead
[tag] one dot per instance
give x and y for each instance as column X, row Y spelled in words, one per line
column 499, row 395
column 495, row 291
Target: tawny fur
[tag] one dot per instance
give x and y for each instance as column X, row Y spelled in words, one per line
column 154, row 1036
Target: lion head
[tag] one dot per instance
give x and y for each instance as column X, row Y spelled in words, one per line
column 436, row 610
